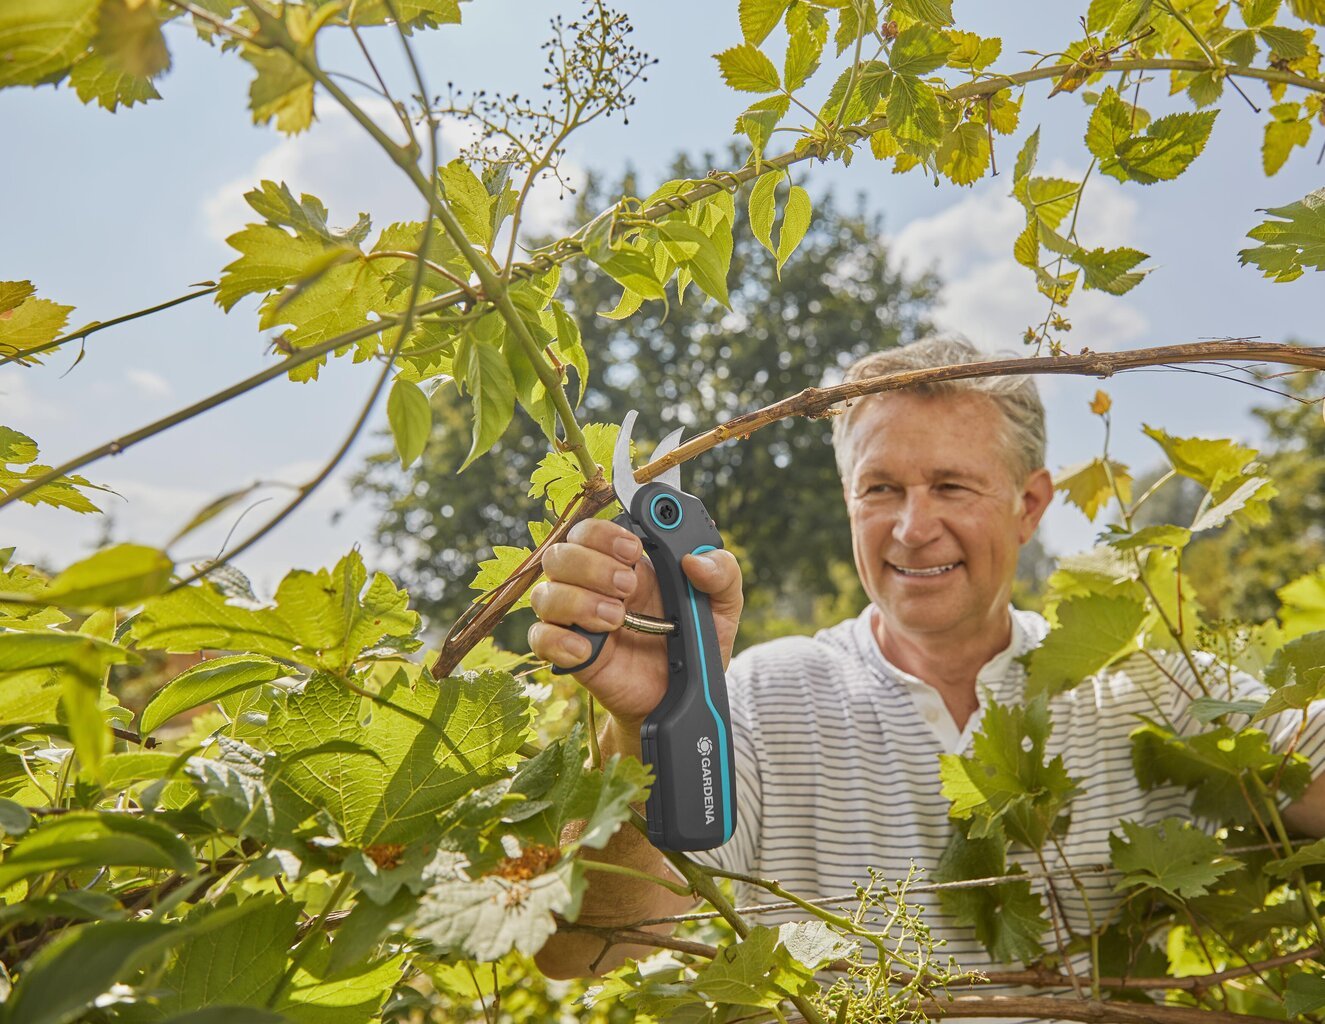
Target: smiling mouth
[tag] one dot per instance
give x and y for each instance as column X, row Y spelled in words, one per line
column 935, row 570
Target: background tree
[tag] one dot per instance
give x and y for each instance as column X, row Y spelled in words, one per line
column 690, row 364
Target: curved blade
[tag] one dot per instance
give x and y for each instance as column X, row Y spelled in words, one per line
column 665, row 447
column 623, row 474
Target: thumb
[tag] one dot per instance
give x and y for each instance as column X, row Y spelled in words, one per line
column 718, row 574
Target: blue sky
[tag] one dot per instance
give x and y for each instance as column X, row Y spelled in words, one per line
column 113, row 213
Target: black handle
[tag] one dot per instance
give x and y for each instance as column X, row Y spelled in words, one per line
column 687, row 739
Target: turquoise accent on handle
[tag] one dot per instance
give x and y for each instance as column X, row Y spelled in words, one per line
column 680, row 513
column 717, row 719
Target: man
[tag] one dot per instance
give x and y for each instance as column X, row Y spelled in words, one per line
column 838, row 737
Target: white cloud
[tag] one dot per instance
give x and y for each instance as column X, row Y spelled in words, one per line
column 987, row 296
column 149, row 383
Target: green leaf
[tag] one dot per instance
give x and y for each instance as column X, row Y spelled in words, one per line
column 814, row 943
column 691, row 248
column 350, row 995
column 1088, row 487
column 759, row 119
column 759, row 18
column 1110, row 270
column 1292, row 244
column 492, row 387
column 427, row 745
column 1026, row 157
column 1159, row 535
column 322, row 619
column 747, row 69
column 1283, row 134
column 1306, row 857
column 919, row 50
column 469, row 201
column 1005, row 783
column 1174, row 857
column 206, row 683
column 795, row 223
column 964, row 153
column 14, row 818
column 936, row 12
column 970, row 52
column 85, row 840
column 114, row 576
column 129, row 36
column 804, row 50
column 281, row 90
column 1212, row 463
column 30, row 322
column 95, row 78
column 1206, row 709
column 1093, row 632
column 1303, row 604
column 1008, row 918
column 227, row 1014
column 763, row 208
column 1163, row 151
column 1110, row 125
column 233, row 953
column 494, row 571
column 1296, row 674
column 557, row 479
column 570, row 346
column 913, row 111
column 485, row 918
column 84, row 656
column 757, row 971
column 1285, row 43
column 410, row 415
column 39, row 39
column 1305, row 993
column 66, row 976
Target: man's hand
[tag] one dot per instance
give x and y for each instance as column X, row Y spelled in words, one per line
column 592, row 578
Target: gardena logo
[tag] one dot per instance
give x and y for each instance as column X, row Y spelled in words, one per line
column 705, row 748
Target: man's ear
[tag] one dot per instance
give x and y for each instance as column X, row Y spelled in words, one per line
column 1036, row 494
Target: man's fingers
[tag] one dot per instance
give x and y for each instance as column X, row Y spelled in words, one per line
column 718, row 574
column 566, row 605
column 561, row 646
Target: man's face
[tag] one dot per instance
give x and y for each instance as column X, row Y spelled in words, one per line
column 937, row 517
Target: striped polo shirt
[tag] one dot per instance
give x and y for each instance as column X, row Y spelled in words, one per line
column 837, row 768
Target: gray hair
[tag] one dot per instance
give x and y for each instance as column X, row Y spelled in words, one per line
column 1017, row 397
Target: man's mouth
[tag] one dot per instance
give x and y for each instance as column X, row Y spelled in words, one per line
column 932, row 570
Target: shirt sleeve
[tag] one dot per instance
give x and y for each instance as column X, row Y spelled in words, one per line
column 741, row 852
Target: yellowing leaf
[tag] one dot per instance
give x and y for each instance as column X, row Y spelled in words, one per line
column 469, row 201
column 39, row 39
column 129, row 37
column 1088, row 487
column 759, row 18
column 1101, row 403
column 746, row 69
column 282, row 90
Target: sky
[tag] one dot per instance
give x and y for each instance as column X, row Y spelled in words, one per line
column 113, row 213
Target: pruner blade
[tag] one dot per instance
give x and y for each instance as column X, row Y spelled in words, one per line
column 623, row 474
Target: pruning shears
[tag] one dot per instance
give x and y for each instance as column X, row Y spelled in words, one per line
column 687, row 739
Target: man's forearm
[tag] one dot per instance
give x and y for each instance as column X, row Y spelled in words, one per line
column 612, row 898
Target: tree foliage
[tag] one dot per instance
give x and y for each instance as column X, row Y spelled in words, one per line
column 306, row 822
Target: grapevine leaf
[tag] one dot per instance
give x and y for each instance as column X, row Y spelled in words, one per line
column 488, row 377
column 205, row 683
column 1088, row 485
column 227, row 1014
column 757, row 971
column 970, row 52
column 410, row 415
column 1110, row 270
column 235, row 786
column 1174, row 857
column 747, row 69
column 1159, row 535
column 39, row 40
column 1110, row 124
column 936, row 12
column 426, row 746
column 281, row 90
column 232, row 953
column 813, row 943
column 14, row 818
column 1249, row 497
column 1306, row 857
column 1026, row 158
column 485, row 918
column 114, row 576
column 1292, row 244
column 759, row 18
column 350, row 995
column 1211, row 764
column 129, row 36
column 1163, row 151
column 1285, row 43
column 1296, row 674
column 919, row 50
column 570, row 346
column 469, row 200
column 85, row 840
column 1006, row 784
column 86, row 657
column 558, row 479
column 1093, row 632
column 94, row 78
column 66, row 976
column 322, row 619
column 804, row 49
column 1286, row 131
column 1212, row 463
column 795, row 223
column 913, row 111
column 1008, row 918
column 964, row 153
column 494, row 571
column 363, row 930
column 1305, row 993
column 1303, row 603
column 28, row 322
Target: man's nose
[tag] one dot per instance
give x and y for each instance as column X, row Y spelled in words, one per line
column 917, row 522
